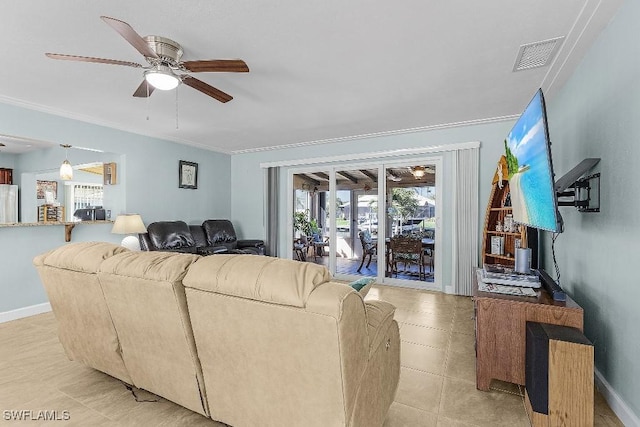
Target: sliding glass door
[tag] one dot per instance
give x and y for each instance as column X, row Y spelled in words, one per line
column 352, row 218
column 411, row 209
column 356, row 220
column 311, row 217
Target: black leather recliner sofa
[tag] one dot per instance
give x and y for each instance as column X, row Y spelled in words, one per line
column 212, row 237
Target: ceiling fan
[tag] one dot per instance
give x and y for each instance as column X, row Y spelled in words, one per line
column 166, row 70
column 419, row 172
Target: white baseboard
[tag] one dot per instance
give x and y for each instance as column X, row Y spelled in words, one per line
column 19, row 313
column 619, row 406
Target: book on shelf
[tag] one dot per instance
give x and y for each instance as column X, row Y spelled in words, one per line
column 497, row 245
column 502, row 275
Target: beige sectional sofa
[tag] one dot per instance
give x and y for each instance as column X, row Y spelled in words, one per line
column 242, row 339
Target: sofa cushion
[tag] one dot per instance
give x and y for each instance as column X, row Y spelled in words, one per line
column 170, row 235
column 84, row 257
column 273, row 280
column 157, row 266
column 361, row 283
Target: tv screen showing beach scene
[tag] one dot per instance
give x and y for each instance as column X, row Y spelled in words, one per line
column 528, row 154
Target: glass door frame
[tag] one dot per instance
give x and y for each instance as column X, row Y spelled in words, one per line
column 380, row 164
column 437, row 283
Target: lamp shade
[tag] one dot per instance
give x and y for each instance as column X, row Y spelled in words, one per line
column 128, row 224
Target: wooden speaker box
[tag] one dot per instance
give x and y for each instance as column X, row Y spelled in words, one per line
column 559, row 376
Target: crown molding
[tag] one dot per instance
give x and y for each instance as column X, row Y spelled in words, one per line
column 381, row 134
column 374, row 155
column 91, row 120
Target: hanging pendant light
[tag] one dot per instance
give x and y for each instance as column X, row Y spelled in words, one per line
column 66, row 171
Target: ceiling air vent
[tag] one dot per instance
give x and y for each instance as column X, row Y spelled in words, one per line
column 538, row 54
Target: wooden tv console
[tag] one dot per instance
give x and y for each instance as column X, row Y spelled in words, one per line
column 501, row 334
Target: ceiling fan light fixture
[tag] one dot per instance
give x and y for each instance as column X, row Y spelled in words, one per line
column 162, row 78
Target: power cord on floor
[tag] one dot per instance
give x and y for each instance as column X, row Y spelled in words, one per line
column 136, row 397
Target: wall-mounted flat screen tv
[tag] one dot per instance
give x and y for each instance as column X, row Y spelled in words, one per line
column 531, row 178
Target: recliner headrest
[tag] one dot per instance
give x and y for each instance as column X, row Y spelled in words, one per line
column 219, row 231
column 170, row 235
column 81, row 256
column 273, row 280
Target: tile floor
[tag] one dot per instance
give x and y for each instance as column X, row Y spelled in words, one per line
column 437, row 385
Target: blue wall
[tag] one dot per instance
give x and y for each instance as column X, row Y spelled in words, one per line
column 148, row 180
column 597, row 114
column 7, row 160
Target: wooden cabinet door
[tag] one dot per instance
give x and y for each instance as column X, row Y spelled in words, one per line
column 500, row 328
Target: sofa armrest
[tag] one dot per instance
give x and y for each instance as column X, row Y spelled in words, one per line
column 379, row 317
column 250, row 243
column 256, row 245
column 212, row 250
column 185, row 250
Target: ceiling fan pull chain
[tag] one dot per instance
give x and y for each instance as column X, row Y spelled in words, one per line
column 148, row 105
column 177, row 108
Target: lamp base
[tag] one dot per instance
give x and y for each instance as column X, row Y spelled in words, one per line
column 131, row 242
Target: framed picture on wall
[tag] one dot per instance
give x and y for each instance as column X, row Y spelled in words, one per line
column 188, row 175
column 44, row 187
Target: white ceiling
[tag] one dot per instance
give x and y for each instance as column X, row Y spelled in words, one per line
column 320, row 70
column 18, row 145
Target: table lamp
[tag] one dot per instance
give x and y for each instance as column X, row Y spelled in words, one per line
column 130, row 224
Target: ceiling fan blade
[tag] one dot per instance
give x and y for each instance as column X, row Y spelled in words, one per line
column 91, row 59
column 206, row 89
column 144, row 90
column 130, row 35
column 211, row 65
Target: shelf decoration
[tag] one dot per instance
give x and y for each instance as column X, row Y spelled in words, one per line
column 42, row 187
column 499, row 225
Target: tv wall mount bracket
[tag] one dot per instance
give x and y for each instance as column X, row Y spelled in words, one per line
column 581, row 192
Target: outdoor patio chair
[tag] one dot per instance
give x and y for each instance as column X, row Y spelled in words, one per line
column 319, row 244
column 300, row 248
column 407, row 250
column 368, row 247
